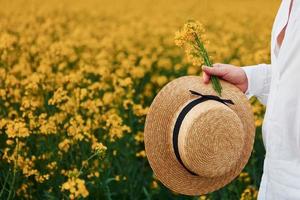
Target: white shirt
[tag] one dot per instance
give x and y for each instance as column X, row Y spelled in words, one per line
column 278, row 87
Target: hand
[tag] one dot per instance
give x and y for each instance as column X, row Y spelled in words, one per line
column 230, row 73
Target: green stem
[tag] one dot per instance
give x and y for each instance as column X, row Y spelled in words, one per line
column 92, row 156
column 14, row 172
column 214, row 79
column 4, row 184
column 12, row 185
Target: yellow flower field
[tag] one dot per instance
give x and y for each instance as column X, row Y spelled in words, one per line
column 77, row 79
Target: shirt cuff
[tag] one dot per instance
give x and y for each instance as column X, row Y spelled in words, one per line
column 258, row 78
column 249, row 71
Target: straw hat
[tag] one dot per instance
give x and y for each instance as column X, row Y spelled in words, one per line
column 197, row 144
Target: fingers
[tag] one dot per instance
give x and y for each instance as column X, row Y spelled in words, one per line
column 206, row 78
column 216, row 70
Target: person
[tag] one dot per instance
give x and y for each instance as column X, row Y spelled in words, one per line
column 276, row 85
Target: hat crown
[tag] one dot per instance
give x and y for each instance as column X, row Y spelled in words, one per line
column 211, row 139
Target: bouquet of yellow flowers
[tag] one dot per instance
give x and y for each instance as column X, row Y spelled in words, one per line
column 193, row 39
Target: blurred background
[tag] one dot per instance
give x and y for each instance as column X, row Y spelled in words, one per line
column 77, row 79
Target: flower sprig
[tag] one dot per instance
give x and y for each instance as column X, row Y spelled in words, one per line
column 193, row 39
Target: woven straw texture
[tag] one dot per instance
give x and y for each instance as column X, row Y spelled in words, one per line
column 215, row 140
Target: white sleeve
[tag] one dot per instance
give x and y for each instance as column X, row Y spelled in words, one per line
column 259, row 81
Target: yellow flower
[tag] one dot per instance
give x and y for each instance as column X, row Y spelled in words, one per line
column 17, row 128
column 245, row 177
column 125, row 82
column 138, row 72
column 127, row 103
column 139, row 137
column 161, row 80
column 250, row 193
column 47, row 126
column 203, row 197
column 3, row 122
column 117, row 178
column 99, row 148
column 107, row 98
column 165, row 63
column 187, row 38
column 7, row 41
column 190, row 29
column 139, row 110
column 76, row 187
column 148, row 90
column 9, row 142
column 141, row 154
column 64, row 145
column 52, row 165
column 154, row 184
column 59, row 96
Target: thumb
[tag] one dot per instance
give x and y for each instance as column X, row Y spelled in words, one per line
column 216, row 71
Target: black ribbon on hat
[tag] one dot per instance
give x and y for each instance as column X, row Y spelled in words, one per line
column 202, row 98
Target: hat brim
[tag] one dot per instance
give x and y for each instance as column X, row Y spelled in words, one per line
column 159, row 128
